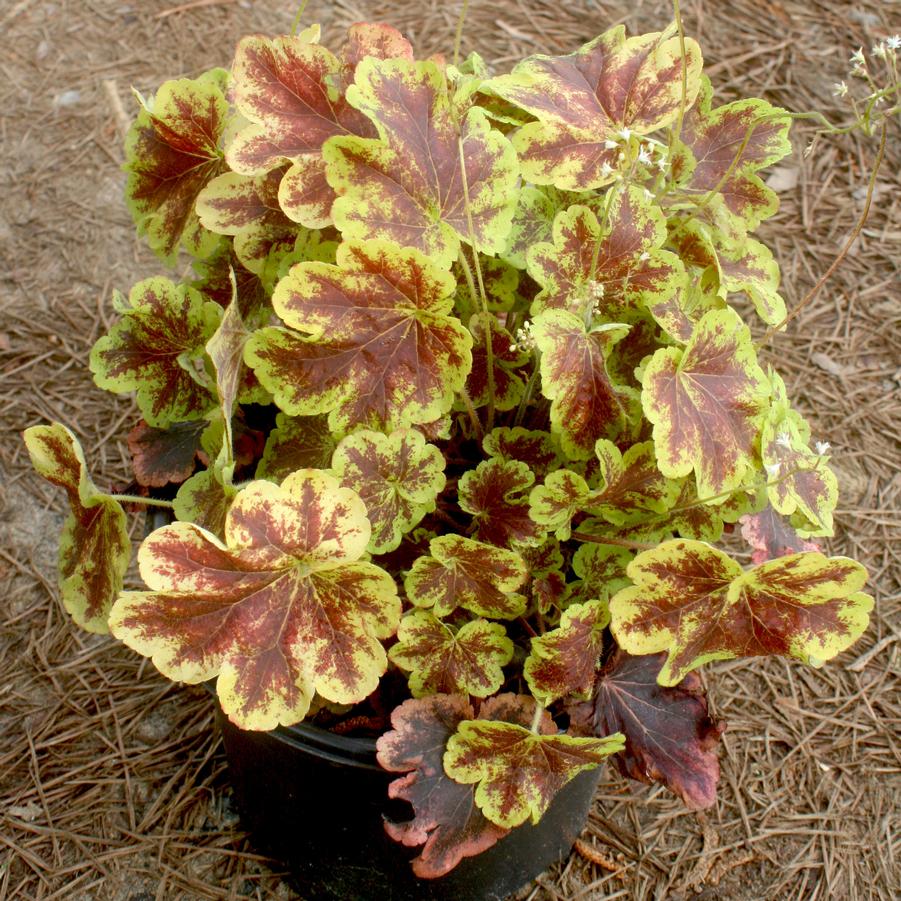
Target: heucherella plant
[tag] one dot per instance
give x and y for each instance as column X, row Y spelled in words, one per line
column 452, row 413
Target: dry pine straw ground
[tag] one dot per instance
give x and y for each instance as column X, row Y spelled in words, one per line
column 112, row 784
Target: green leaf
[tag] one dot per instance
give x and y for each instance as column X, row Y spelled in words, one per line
column 171, row 153
column 280, row 610
column 460, row 572
column 586, row 403
column 410, row 186
column 94, row 549
column 398, row 476
column 443, row 659
column 600, row 570
column 518, row 772
column 697, row 604
column 583, row 100
column 538, row 450
column 380, row 347
column 707, row 404
column 157, row 349
column 564, row 661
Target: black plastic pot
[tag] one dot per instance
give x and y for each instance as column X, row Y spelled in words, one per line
column 316, row 802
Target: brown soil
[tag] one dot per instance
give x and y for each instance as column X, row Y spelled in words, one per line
column 112, row 784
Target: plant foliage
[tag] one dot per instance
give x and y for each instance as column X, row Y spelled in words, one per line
column 453, row 412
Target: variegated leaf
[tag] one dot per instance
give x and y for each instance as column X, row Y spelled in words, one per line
column 94, row 548
column 564, row 661
column 427, row 177
column 171, row 152
column 585, row 100
column 280, row 610
column 157, row 349
column 398, row 476
column 379, row 347
column 444, row 659
column 707, row 403
column 460, row 572
column 697, row 604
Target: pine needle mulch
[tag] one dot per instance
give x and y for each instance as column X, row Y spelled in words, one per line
column 112, row 782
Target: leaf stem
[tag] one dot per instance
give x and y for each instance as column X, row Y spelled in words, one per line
column 137, row 499
column 858, row 228
column 536, row 718
column 528, row 392
column 471, row 410
column 618, row 542
column 458, row 37
column 296, row 23
column 677, row 129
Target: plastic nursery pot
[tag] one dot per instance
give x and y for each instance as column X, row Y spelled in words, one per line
column 316, row 801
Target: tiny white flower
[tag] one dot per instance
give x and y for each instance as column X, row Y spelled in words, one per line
column 772, row 469
column 644, row 257
column 606, row 170
column 894, row 42
column 840, row 89
column 783, row 439
column 880, row 50
column 610, row 144
column 648, row 194
column 822, row 447
column 596, row 289
column 857, row 58
column 661, row 163
column 644, row 156
column 625, row 134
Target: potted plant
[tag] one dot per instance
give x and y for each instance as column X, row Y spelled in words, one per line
column 448, row 422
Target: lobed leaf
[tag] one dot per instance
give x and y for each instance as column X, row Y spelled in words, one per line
column 460, row 572
column 583, row 100
column 171, row 152
column 707, row 404
column 697, row 604
column 427, row 176
column 612, row 268
column 398, row 476
column 586, row 404
column 442, row 659
column 600, row 570
column 446, row 823
column 538, row 450
column 518, row 772
column 157, row 349
column 281, row 610
column 380, row 347
column 564, row 661
column 722, row 148
column 496, row 494
column 670, row 736
column 94, row 548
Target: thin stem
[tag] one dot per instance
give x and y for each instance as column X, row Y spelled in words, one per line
column 473, row 416
column 619, row 542
column 458, row 37
column 295, row 25
column 677, row 129
column 842, row 254
column 137, row 499
column 482, row 295
column 536, row 718
column 527, row 393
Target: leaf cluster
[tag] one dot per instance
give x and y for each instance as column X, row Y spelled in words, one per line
column 462, row 391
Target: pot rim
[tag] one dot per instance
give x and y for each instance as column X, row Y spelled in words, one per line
column 340, row 749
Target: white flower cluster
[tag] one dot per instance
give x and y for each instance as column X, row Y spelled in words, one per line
column 523, row 340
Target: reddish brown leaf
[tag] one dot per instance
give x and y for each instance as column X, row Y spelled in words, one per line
column 670, row 737
column 447, row 822
column 160, row 456
column 771, row 535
